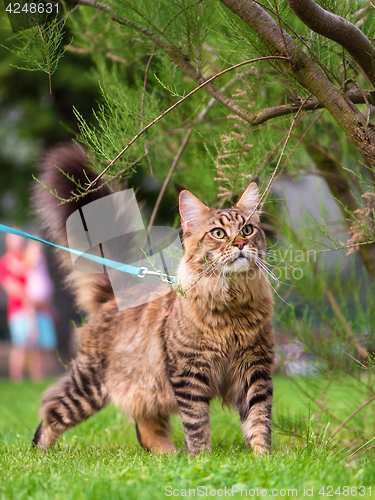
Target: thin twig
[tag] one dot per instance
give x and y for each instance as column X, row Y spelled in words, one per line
column 350, row 417
column 170, row 21
column 281, row 29
column 142, row 106
column 357, row 361
column 174, row 53
column 354, row 64
column 116, row 58
column 346, row 247
column 341, row 317
column 269, row 185
column 111, row 56
column 148, row 21
column 303, row 137
column 75, row 197
column 326, row 71
column 78, row 50
column 46, row 52
column 298, row 143
column 62, row 19
column 343, row 62
column 167, row 179
column 270, row 155
column 364, row 97
column 243, row 63
column 200, row 118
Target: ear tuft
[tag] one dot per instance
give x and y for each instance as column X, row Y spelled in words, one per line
column 191, row 210
column 249, row 199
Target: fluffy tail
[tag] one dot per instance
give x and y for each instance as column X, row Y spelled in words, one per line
column 90, row 290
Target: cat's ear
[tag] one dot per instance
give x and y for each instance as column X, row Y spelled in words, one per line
column 191, row 210
column 249, row 199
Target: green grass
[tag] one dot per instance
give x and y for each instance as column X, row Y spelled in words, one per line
column 101, row 459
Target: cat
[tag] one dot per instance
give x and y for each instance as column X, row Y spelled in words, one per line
column 172, row 354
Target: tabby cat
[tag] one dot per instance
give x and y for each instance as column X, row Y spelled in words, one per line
column 172, row 354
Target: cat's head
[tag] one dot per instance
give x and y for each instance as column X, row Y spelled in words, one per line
column 208, row 234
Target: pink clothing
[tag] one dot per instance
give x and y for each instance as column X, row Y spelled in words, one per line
column 39, row 286
column 12, row 266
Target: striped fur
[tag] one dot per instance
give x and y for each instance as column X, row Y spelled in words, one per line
column 175, row 354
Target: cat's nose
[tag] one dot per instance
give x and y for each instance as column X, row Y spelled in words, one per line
column 239, row 243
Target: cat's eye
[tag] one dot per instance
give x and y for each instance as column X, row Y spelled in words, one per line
column 247, row 230
column 218, row 233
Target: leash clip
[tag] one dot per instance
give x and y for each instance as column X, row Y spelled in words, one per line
column 166, row 278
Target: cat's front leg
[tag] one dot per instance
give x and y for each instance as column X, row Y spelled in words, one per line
column 253, row 398
column 191, row 390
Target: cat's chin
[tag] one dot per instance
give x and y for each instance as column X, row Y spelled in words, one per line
column 239, row 265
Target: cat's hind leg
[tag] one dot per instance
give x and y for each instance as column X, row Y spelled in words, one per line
column 74, row 398
column 153, row 432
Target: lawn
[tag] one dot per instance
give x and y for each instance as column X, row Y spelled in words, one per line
column 101, row 459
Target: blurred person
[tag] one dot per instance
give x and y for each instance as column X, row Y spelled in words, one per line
column 39, row 291
column 13, row 274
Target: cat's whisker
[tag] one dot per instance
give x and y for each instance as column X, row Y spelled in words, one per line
column 216, row 265
column 204, row 268
column 263, row 266
column 207, row 271
column 260, row 263
column 275, row 291
column 271, row 246
column 279, row 259
column 279, row 248
column 275, row 254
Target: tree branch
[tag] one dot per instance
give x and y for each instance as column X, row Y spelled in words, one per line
column 181, row 60
column 308, row 74
column 351, row 416
column 355, row 95
column 339, row 30
column 175, row 55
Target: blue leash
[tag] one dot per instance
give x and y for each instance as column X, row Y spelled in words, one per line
column 141, row 272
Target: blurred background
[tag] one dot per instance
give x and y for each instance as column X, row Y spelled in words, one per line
column 111, row 81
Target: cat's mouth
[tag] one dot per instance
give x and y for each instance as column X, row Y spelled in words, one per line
column 239, row 257
column 239, row 262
